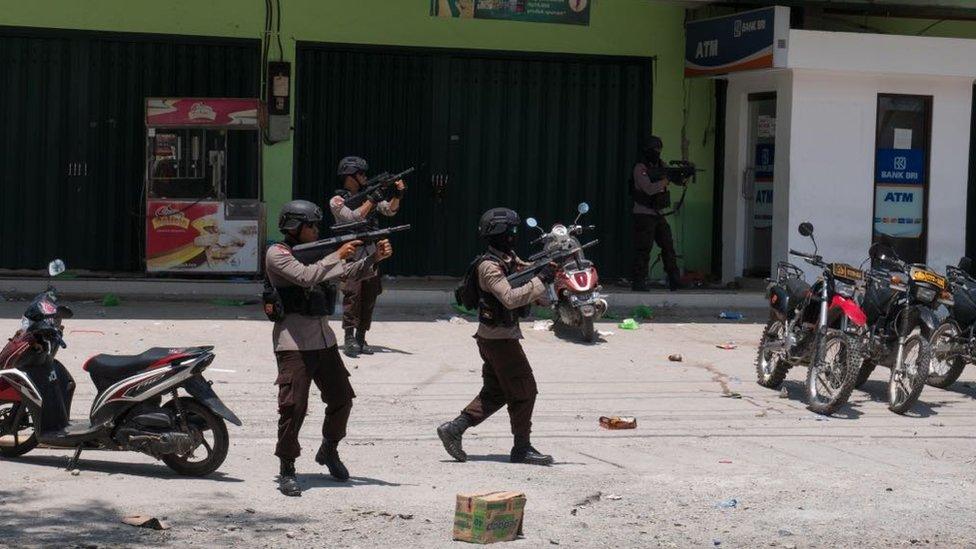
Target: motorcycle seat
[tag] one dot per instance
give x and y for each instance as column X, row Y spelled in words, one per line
column 118, row 366
column 798, row 290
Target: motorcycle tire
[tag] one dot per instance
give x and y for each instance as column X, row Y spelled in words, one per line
column 587, row 330
column 770, row 374
column 944, row 377
column 26, row 445
column 863, row 374
column 197, row 413
column 901, row 396
column 834, row 372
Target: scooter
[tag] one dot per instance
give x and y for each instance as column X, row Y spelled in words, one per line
column 578, row 302
column 954, row 341
column 187, row 433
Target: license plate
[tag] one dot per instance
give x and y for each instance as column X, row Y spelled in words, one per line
column 582, row 299
column 845, row 271
column 929, row 277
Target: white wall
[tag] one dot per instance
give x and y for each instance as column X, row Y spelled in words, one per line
column 832, row 160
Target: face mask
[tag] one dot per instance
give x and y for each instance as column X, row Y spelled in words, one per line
column 652, row 156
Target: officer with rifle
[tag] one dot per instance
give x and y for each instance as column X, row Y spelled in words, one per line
column 359, row 199
column 652, row 205
column 298, row 297
column 507, row 378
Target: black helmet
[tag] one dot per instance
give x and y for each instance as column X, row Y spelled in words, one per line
column 351, row 165
column 498, row 221
column 296, row 213
column 653, row 143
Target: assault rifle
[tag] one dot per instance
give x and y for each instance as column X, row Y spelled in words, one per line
column 679, row 171
column 382, row 181
column 315, row 251
column 557, row 256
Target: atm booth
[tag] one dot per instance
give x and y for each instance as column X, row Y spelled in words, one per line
column 204, row 213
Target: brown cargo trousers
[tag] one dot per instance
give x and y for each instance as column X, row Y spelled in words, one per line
column 506, row 380
column 296, row 372
column 358, row 301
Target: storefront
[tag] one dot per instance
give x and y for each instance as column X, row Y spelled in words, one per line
column 861, row 134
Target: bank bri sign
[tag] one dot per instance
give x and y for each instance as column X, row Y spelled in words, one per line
column 744, row 41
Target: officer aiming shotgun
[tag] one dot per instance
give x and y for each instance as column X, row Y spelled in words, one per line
column 349, row 232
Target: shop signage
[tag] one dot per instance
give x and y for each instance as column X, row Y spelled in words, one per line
column 765, row 153
column 743, row 41
column 202, row 111
column 569, row 12
column 900, row 166
column 898, row 210
column 197, row 237
column 762, row 207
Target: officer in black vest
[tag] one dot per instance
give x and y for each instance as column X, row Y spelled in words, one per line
column 651, row 197
column 506, row 374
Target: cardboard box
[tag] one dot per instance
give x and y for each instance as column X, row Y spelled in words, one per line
column 488, row 517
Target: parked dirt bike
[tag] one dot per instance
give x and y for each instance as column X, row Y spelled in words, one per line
column 575, row 296
column 954, row 341
column 187, row 433
column 900, row 300
column 811, row 326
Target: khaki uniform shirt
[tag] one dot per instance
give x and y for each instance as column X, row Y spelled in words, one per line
column 491, row 278
column 643, row 183
column 298, row 332
column 343, row 214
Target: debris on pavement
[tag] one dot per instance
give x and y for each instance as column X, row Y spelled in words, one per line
column 727, row 504
column 457, row 320
column 726, row 461
column 111, row 300
column 614, row 497
column 225, row 302
column 728, row 346
column 676, row 357
column 731, row 394
column 75, row 472
column 592, row 498
column 783, row 393
column 618, row 422
column 145, row 521
column 731, row 315
column 628, row 324
column 461, row 309
column 604, row 333
column 502, row 510
column 542, row 325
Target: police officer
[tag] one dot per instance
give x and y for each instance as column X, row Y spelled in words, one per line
column 506, row 374
column 305, row 346
column 359, row 296
column 651, row 197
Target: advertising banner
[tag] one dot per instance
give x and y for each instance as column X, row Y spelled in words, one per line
column 742, row 41
column 186, row 236
column 202, row 111
column 567, row 12
column 898, row 210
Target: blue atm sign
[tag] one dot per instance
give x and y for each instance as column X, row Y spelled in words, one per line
column 906, row 166
column 738, row 42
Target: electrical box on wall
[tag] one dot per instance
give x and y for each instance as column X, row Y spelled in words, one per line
column 279, row 101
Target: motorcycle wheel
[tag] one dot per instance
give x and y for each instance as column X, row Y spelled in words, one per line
column 944, row 370
column 863, row 374
column 210, row 432
column 8, row 448
column 771, row 369
column 908, row 378
column 587, row 330
column 832, row 373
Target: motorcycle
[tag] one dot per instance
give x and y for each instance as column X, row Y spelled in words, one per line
column 575, row 296
column 900, row 300
column 187, row 433
column 954, row 341
column 811, row 326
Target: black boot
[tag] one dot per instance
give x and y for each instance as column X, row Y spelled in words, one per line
column 287, row 483
column 450, row 434
column 349, row 346
column 361, row 341
column 527, row 454
column 328, row 455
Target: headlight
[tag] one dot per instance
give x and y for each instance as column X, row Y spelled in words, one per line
column 843, row 288
column 560, row 231
column 925, row 295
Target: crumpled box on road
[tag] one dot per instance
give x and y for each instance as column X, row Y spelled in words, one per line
column 489, row 517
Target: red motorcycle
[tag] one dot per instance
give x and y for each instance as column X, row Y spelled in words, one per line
column 186, row 432
column 575, row 296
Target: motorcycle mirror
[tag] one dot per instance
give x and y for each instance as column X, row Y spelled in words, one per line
column 805, row 228
column 55, row 268
column 64, row 312
column 583, row 208
column 531, row 222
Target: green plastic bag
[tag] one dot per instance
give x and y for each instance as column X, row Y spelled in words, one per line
column 542, row 312
column 224, row 302
column 111, row 300
column 461, row 309
column 628, row 324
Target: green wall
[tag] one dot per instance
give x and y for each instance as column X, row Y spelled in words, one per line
column 617, row 27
